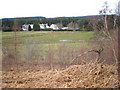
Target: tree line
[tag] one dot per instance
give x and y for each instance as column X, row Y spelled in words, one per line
column 86, row 23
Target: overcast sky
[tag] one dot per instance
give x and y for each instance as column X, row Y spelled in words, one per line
column 51, row 8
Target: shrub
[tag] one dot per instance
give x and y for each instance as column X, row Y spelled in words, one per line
column 7, row 29
column 36, row 27
column 29, row 28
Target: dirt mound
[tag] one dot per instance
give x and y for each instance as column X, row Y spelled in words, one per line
column 76, row 76
column 89, row 76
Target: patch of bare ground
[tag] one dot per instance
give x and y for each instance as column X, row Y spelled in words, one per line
column 92, row 75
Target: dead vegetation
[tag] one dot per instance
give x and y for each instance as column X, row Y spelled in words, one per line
column 92, row 75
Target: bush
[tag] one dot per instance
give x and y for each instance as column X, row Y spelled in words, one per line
column 29, row 28
column 36, row 27
column 47, row 29
column 7, row 29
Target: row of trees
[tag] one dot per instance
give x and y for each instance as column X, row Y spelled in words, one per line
column 86, row 23
column 83, row 23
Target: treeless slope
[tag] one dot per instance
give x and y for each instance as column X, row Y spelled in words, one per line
column 76, row 76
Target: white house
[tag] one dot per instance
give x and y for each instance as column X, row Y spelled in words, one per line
column 64, row 28
column 54, row 27
column 44, row 26
column 31, row 25
column 47, row 26
column 26, row 26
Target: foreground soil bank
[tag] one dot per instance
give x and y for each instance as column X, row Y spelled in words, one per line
column 91, row 75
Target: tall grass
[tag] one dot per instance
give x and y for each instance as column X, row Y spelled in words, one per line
column 32, row 50
column 63, row 54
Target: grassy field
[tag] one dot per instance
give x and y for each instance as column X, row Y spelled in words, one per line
column 39, row 42
column 49, row 35
column 44, row 36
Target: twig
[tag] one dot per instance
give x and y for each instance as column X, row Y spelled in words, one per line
column 96, row 51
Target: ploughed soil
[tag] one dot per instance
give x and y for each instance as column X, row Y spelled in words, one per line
column 92, row 75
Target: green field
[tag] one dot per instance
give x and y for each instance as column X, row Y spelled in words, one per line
column 58, row 35
column 40, row 42
column 8, row 37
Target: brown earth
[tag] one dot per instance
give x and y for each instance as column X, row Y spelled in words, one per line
column 91, row 75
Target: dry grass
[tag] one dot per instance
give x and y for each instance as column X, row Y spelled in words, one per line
column 92, row 75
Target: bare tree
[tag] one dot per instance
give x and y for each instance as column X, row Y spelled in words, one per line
column 118, row 14
column 108, row 29
column 105, row 11
column 96, row 23
column 117, row 10
column 73, row 26
column 60, row 25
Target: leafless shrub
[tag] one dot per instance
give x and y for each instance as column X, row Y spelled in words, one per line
column 109, row 42
column 62, row 53
column 7, row 54
column 32, row 50
column 50, row 57
column 111, row 46
column 8, row 57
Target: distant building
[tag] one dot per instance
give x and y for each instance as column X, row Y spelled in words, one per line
column 54, row 27
column 31, row 26
column 64, row 28
column 44, row 26
column 25, row 27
